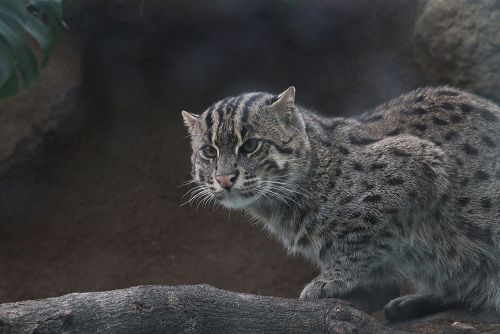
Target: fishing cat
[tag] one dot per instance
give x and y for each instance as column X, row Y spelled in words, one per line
column 409, row 190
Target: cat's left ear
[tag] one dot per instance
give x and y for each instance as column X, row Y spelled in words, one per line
column 285, row 105
column 286, row 99
column 190, row 119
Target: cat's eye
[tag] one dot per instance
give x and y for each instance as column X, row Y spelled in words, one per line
column 209, row 151
column 250, row 146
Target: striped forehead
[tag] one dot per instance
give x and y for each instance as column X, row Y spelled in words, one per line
column 226, row 120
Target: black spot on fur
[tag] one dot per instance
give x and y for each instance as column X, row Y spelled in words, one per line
column 439, row 121
column 444, row 198
column 460, row 162
column 371, row 218
column 378, row 166
column 489, row 116
column 201, row 177
column 470, row 150
column 451, row 253
column 415, row 111
column 372, row 198
column 343, row 150
column 324, row 249
column 394, row 132
column 450, row 135
column 399, row 153
column 338, row 172
column 244, row 131
column 466, row 108
column 413, row 194
column 464, row 182
column 428, row 171
column 362, row 141
column 272, row 166
column 281, row 149
column 447, row 93
column 249, row 103
column 396, row 181
column 488, row 141
column 447, row 106
column 463, row 201
column 456, row 118
column 208, row 119
column 478, row 234
column 419, row 99
column 481, row 175
column 437, row 214
column 358, row 166
column 420, row 127
column 346, row 200
column 486, row 203
column 391, row 211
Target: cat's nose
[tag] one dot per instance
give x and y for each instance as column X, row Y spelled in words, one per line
column 226, row 181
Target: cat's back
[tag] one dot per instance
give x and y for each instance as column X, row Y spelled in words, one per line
column 452, row 119
column 461, row 125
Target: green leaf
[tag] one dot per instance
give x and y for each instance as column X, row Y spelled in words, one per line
column 6, row 63
column 18, row 7
column 49, row 7
column 28, row 66
column 11, row 31
column 15, row 21
column 42, row 34
column 10, row 88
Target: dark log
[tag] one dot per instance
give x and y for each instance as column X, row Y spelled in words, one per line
column 183, row 309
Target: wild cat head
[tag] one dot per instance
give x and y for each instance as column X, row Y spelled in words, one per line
column 248, row 148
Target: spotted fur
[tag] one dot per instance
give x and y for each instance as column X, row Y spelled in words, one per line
column 409, row 190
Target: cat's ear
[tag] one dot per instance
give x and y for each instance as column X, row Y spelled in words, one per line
column 190, row 119
column 286, row 99
column 284, row 107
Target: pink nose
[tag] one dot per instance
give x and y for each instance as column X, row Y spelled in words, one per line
column 226, row 181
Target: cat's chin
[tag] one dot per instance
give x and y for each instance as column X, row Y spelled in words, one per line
column 232, row 201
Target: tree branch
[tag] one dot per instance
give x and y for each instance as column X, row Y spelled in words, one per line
column 183, row 309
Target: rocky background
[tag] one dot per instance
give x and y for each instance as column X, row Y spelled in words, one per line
column 92, row 157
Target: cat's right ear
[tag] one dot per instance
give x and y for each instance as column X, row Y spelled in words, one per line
column 190, row 119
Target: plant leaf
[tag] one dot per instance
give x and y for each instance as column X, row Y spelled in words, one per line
column 10, row 87
column 17, row 7
column 49, row 7
column 11, row 31
column 42, row 34
column 28, row 66
column 6, row 64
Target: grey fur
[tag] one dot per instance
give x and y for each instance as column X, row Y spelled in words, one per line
column 409, row 190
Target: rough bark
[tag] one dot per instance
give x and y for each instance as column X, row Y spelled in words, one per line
column 183, row 309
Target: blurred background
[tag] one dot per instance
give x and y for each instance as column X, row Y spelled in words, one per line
column 92, row 157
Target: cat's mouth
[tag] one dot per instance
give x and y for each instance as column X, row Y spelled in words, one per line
column 234, row 199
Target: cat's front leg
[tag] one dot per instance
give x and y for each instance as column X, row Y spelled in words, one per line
column 334, row 282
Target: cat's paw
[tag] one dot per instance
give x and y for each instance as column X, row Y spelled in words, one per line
column 413, row 306
column 322, row 288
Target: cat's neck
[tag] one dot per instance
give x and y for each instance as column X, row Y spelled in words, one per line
column 281, row 217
